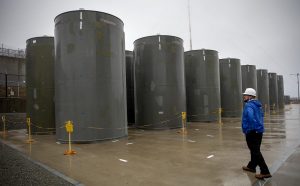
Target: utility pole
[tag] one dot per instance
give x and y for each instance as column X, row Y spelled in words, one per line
column 190, row 27
column 298, row 84
column 6, row 90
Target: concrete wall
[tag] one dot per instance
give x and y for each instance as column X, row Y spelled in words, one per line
column 12, row 65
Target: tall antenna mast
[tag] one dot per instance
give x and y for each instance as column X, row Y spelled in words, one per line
column 190, row 27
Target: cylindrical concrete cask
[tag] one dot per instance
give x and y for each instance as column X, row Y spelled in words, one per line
column 273, row 91
column 159, row 82
column 280, row 85
column 130, row 86
column 90, row 76
column 202, row 85
column 263, row 89
column 231, row 87
column 287, row 99
column 249, row 78
column 40, row 84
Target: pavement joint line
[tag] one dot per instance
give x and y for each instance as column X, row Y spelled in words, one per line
column 277, row 164
column 53, row 171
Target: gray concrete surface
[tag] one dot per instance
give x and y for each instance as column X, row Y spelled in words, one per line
column 288, row 173
column 17, row 169
column 210, row 154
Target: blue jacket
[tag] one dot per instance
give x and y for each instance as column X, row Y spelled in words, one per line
column 253, row 117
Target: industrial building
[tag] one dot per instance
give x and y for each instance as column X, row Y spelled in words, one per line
column 12, row 80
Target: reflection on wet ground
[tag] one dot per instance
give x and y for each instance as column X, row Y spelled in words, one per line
column 210, row 154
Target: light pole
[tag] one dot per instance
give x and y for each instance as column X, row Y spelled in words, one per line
column 297, row 83
column 190, row 27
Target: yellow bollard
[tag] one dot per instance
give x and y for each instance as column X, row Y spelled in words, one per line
column 69, row 129
column 3, row 121
column 29, row 131
column 220, row 115
column 266, row 108
column 183, row 129
column 274, row 109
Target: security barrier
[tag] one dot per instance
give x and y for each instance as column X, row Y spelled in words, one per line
column 161, row 124
column 216, row 112
column 158, row 125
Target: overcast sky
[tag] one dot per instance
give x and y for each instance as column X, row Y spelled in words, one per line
column 265, row 33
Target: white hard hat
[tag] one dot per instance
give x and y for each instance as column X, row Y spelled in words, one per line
column 250, row 92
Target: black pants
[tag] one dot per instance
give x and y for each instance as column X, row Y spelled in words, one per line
column 254, row 141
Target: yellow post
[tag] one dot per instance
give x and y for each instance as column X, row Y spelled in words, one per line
column 3, row 121
column 69, row 129
column 220, row 115
column 29, row 131
column 266, row 108
column 183, row 116
column 274, row 109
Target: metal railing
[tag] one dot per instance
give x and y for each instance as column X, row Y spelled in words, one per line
column 12, row 53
